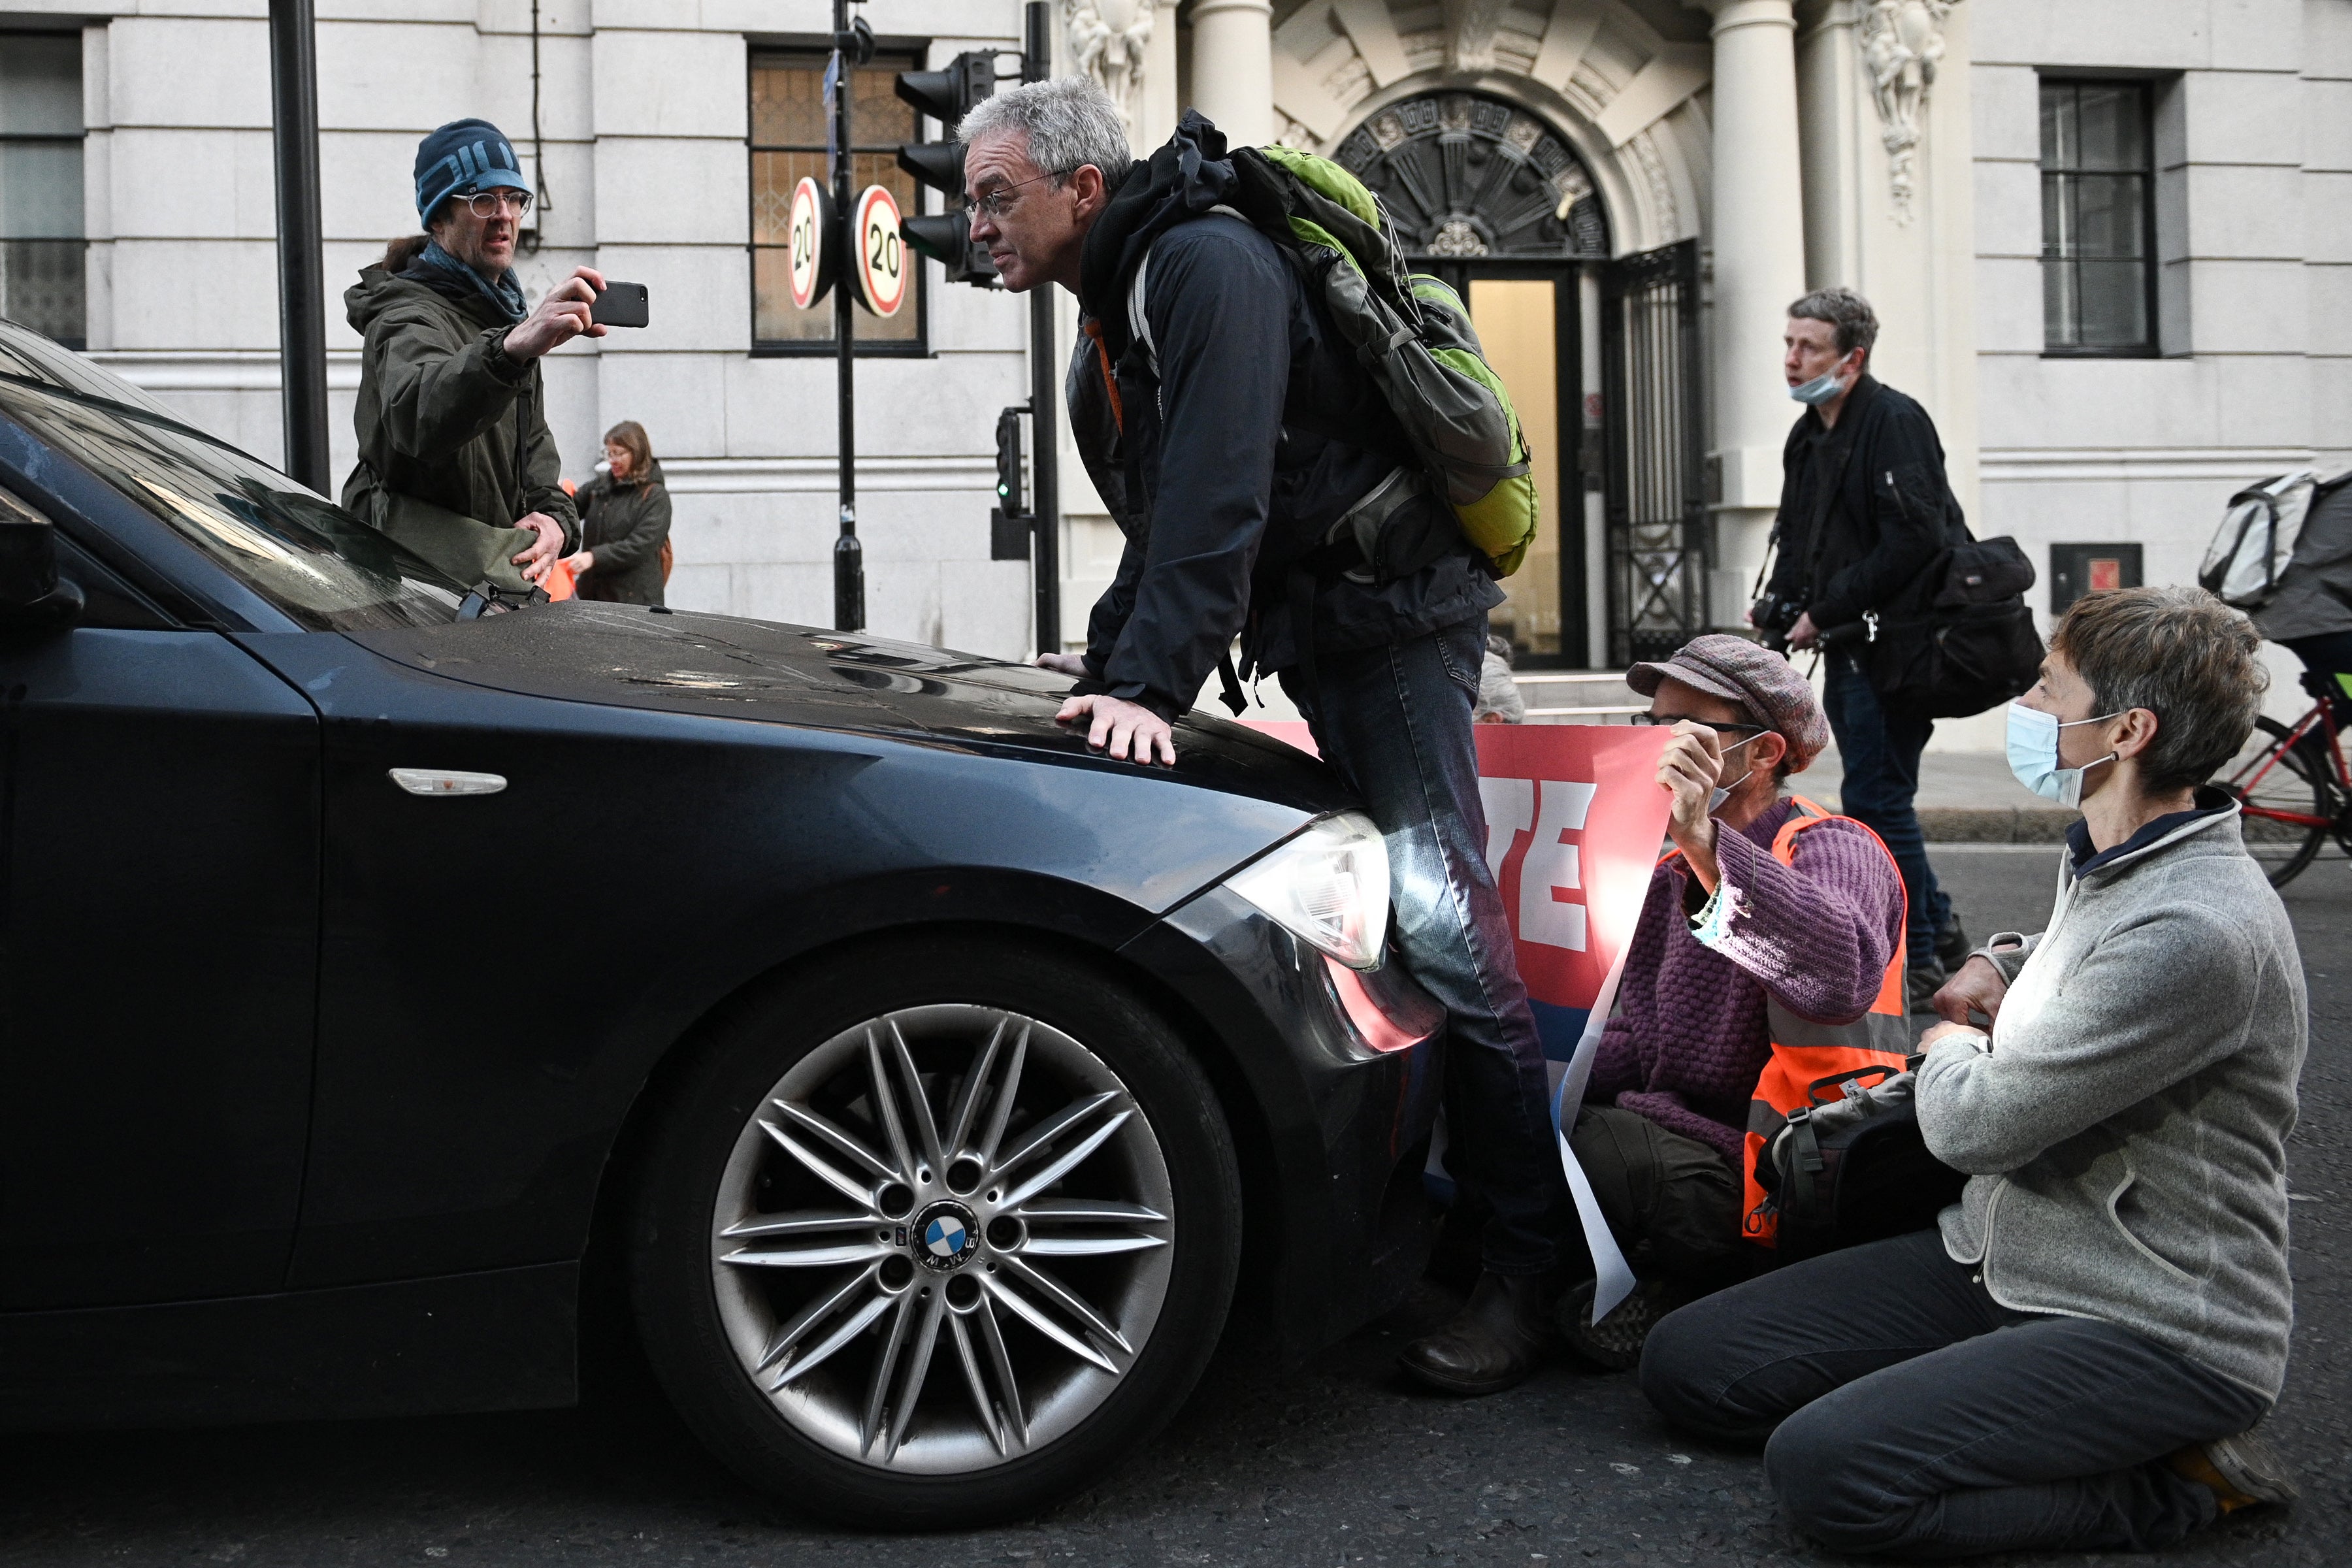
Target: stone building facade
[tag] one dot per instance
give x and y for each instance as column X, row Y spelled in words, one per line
column 2108, row 240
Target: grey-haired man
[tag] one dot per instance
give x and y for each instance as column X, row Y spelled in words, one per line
column 1213, row 441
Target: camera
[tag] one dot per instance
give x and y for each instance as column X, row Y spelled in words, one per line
column 1774, row 614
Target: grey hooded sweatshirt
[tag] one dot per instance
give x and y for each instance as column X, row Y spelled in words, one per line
column 2124, row 1127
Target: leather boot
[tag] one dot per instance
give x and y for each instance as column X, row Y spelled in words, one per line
column 1498, row 1338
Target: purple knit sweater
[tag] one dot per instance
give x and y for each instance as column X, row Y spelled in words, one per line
column 1688, row 1040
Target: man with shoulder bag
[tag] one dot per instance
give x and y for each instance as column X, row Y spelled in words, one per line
column 455, row 459
column 1865, row 512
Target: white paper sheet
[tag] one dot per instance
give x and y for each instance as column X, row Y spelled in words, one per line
column 1612, row 1277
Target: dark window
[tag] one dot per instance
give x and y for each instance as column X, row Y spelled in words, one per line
column 314, row 559
column 41, row 244
column 2099, row 230
column 788, row 141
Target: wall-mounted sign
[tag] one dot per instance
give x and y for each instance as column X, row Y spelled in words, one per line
column 880, row 267
column 812, row 258
column 2079, row 569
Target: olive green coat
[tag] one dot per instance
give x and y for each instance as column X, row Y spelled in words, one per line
column 624, row 525
column 450, row 429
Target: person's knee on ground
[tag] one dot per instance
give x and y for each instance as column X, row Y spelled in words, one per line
column 1688, row 1378
column 1809, row 1464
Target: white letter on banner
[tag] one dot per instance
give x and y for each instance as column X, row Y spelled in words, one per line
column 1510, row 811
column 1551, row 863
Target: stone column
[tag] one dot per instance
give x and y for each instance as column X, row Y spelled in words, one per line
column 1232, row 68
column 1758, row 247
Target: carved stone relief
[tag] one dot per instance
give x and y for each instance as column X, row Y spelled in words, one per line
column 1109, row 39
column 1902, row 42
column 1470, row 26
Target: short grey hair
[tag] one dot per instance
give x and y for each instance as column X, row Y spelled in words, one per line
column 1849, row 312
column 1067, row 123
column 2185, row 657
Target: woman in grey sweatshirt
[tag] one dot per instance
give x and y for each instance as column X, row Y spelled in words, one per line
column 2076, row 1357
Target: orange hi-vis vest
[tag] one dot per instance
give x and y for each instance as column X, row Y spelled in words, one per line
column 1804, row 1052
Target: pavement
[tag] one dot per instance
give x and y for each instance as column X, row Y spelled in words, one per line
column 1332, row 1463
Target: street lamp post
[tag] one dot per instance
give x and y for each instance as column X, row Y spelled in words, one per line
column 1036, row 65
column 301, row 268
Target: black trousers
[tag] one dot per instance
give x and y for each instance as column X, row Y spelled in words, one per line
column 1908, row 1413
column 2330, row 653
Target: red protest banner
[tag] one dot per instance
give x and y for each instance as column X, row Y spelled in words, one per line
column 1574, row 823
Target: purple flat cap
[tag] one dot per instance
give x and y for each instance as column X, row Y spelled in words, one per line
column 1756, row 679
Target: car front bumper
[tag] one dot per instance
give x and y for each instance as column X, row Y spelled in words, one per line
column 1331, row 1080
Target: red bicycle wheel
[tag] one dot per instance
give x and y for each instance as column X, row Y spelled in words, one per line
column 2289, row 807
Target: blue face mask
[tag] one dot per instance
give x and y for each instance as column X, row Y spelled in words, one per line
column 1817, row 391
column 2033, row 755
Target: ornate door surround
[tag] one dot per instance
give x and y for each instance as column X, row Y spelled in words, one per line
column 1466, row 174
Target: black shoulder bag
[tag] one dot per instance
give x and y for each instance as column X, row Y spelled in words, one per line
column 1851, row 1166
column 1957, row 639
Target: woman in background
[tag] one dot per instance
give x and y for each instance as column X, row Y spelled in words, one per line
column 624, row 519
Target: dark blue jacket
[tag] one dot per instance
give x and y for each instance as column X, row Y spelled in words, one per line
column 1231, row 461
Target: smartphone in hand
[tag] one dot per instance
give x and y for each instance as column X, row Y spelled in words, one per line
column 620, row 305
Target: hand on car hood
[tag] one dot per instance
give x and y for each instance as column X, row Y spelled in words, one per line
column 725, row 667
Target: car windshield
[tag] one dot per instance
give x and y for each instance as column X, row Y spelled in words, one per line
column 319, row 564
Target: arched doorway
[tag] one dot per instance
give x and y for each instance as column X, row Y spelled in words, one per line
column 1601, row 355
column 1491, row 199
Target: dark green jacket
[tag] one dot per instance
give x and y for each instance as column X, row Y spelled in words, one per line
column 624, row 525
column 449, row 428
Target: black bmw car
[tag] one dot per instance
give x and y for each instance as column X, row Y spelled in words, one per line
column 391, row 979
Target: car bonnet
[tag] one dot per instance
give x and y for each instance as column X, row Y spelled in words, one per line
column 726, row 667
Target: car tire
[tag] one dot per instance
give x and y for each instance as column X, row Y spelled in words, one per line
column 1153, row 1238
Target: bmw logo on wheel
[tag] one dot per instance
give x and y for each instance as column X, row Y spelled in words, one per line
column 945, row 1235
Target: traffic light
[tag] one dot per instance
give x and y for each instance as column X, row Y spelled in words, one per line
column 1009, row 521
column 947, row 96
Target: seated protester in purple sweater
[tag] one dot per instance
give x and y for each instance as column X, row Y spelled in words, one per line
column 1662, row 1131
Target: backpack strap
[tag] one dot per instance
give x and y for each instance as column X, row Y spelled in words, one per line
column 1139, row 325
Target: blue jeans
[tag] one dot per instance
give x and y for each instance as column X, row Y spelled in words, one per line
column 1395, row 722
column 1881, row 754
column 1909, row 1412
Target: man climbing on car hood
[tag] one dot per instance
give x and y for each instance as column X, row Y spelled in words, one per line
column 1230, row 432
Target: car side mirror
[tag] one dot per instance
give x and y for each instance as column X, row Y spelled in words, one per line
column 34, row 599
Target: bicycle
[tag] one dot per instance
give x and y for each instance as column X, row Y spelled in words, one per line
column 2294, row 786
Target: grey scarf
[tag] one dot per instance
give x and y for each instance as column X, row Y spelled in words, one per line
column 506, row 294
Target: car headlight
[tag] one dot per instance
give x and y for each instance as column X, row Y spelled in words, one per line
column 1329, row 887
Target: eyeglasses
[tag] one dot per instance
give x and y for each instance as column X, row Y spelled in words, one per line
column 1702, row 723
column 490, row 203
column 999, row 201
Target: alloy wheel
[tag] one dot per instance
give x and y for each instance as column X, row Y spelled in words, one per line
column 942, row 1240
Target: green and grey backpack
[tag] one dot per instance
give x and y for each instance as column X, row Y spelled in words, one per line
column 1413, row 336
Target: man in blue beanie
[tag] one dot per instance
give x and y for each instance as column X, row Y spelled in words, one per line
column 456, row 457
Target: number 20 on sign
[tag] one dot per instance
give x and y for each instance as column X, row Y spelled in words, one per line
column 880, row 266
column 812, row 257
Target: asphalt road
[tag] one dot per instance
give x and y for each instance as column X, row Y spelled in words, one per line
column 1332, row 1463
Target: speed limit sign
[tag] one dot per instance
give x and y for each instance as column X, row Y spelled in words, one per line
column 881, row 264
column 813, row 259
